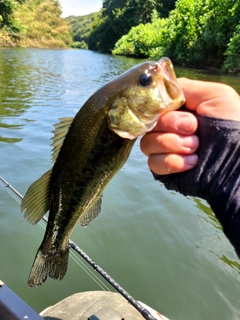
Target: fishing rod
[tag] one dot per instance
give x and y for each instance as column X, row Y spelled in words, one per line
column 144, row 312
column 18, row 197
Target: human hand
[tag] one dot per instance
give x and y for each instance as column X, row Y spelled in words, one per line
column 212, row 154
column 171, row 145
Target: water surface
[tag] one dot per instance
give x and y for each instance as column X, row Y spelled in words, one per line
column 164, row 249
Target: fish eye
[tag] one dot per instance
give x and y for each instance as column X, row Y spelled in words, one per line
column 145, row 79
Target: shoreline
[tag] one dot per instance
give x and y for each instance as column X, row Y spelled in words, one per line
column 23, row 41
column 17, row 40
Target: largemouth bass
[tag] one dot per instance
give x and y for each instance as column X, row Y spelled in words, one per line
column 88, row 151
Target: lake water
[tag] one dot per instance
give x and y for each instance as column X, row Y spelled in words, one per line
column 164, row 249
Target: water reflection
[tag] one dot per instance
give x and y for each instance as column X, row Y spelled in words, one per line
column 233, row 264
column 16, row 91
column 175, row 246
column 49, row 78
column 209, row 76
column 210, row 216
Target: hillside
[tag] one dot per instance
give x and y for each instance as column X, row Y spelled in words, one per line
column 193, row 33
column 81, row 29
column 34, row 23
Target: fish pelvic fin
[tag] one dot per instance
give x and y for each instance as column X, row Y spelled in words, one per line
column 92, row 213
column 48, row 265
column 35, row 202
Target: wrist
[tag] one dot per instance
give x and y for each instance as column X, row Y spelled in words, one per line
column 216, row 177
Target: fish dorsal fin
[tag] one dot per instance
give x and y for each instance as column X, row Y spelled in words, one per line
column 60, row 131
column 35, row 202
column 91, row 214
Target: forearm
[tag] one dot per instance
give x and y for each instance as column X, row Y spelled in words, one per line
column 216, row 178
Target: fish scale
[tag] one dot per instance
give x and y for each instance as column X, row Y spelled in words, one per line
column 88, row 151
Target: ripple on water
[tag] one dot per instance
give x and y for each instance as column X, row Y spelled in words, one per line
column 165, row 249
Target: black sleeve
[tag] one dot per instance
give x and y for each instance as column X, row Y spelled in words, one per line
column 216, row 178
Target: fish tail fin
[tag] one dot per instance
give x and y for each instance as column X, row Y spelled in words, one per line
column 53, row 265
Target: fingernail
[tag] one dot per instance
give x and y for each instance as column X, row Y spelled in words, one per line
column 189, row 142
column 191, row 160
column 185, row 123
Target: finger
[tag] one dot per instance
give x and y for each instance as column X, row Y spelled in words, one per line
column 171, row 163
column 211, row 98
column 157, row 143
column 180, row 122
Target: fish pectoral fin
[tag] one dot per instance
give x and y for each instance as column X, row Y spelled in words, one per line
column 60, row 131
column 35, row 202
column 91, row 214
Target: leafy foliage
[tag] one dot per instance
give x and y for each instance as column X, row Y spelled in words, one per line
column 35, row 23
column 81, row 28
column 79, row 45
column 232, row 60
column 6, row 9
column 117, row 17
column 142, row 40
column 163, row 7
column 101, row 30
column 196, row 33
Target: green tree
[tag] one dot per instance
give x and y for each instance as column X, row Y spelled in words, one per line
column 163, row 7
column 42, row 24
column 33, row 23
column 81, row 28
column 142, row 40
column 232, row 53
column 223, row 18
column 198, row 33
column 116, row 19
column 6, row 9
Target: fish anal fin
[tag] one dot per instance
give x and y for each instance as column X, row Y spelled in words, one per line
column 35, row 202
column 60, row 131
column 92, row 213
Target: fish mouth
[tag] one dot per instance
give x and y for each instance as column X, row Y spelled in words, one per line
column 131, row 122
column 168, row 90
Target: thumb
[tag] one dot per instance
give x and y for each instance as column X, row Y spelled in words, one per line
column 211, row 99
